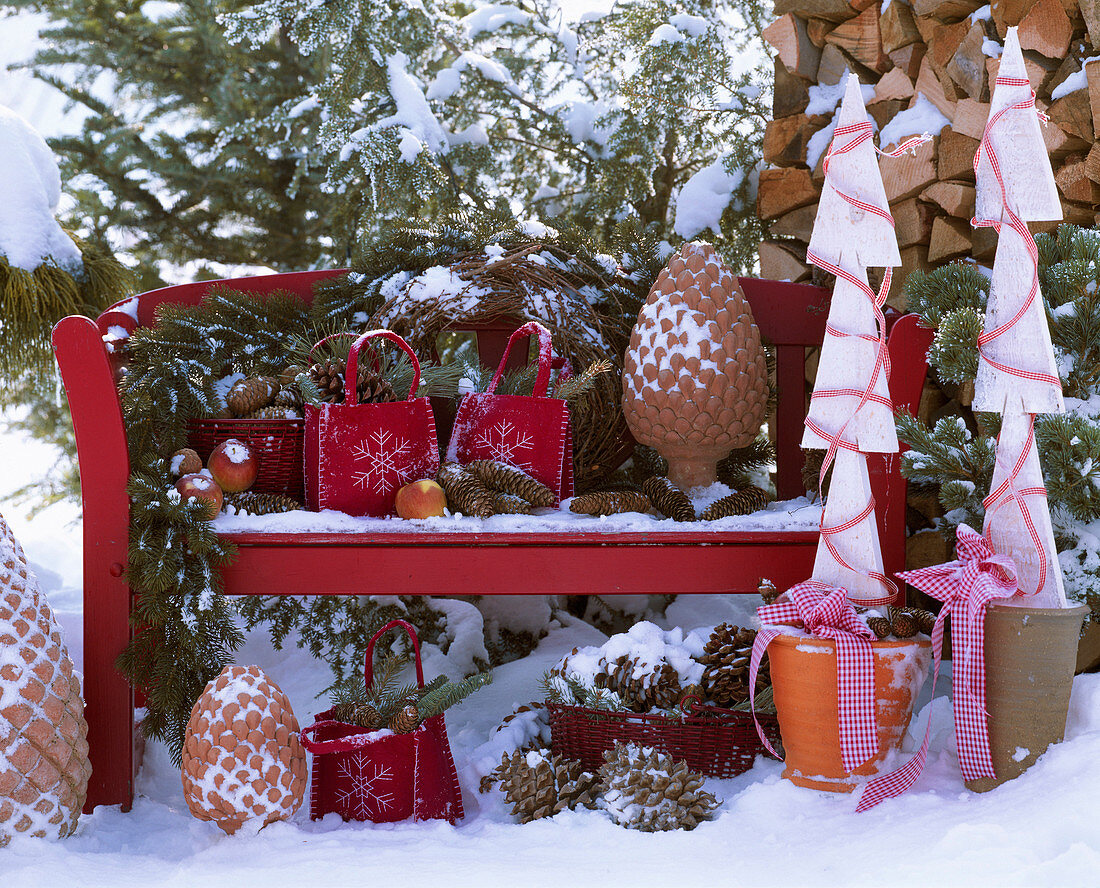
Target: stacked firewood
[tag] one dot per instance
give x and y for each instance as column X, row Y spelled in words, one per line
column 948, row 52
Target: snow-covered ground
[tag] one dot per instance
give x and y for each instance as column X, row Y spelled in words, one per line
column 1041, row 829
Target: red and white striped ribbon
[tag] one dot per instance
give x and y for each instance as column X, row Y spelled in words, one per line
column 1007, row 491
column 860, row 133
column 825, row 611
column 965, row 587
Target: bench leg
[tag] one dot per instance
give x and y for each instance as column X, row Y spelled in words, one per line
column 108, row 697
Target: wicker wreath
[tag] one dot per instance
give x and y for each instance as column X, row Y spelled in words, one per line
column 540, row 282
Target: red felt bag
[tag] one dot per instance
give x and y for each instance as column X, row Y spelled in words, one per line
column 378, row 775
column 357, row 456
column 531, row 432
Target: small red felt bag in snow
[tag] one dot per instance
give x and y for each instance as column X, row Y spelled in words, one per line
column 357, row 456
column 531, row 432
column 378, row 775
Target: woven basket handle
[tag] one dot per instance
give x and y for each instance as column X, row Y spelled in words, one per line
column 542, row 381
column 368, row 666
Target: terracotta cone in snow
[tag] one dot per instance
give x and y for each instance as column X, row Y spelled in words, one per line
column 695, row 380
column 44, row 767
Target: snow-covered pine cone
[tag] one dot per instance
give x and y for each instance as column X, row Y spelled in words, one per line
column 647, row 790
column 44, row 766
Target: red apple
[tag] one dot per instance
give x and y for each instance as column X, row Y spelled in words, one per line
column 201, row 486
column 421, row 499
column 234, row 465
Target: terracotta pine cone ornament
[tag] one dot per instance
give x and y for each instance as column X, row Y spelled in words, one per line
column 695, row 380
column 242, row 761
column 44, row 766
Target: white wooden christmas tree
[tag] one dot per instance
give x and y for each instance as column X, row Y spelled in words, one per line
column 1017, row 375
column 851, row 237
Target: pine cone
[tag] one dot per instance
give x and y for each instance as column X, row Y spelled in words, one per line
column 289, row 396
column 465, row 492
column 926, row 620
column 509, row 504
column 289, row 374
column 373, row 388
column 329, row 379
column 648, row 462
column 668, row 499
column 648, row 791
column 406, row 720
column 251, row 394
column 726, row 658
column 880, row 626
column 767, row 590
column 741, row 502
column 903, row 623
column 497, row 475
column 262, row 503
column 44, row 766
column 609, row 502
column 538, row 785
column 653, row 690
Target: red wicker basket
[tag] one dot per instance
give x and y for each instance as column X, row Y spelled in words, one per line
column 277, row 441
column 715, row 742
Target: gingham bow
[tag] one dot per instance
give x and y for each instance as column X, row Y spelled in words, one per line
column 965, row 587
column 826, row 612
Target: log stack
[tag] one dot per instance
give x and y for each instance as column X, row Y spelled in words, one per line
column 930, row 56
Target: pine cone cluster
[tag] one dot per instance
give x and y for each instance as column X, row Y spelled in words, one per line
column 370, row 385
column 901, row 622
column 726, row 665
column 609, row 502
column 538, row 785
column 486, row 487
column 504, row 478
column 328, row 376
column 740, row 502
column 668, row 499
column 262, row 503
column 648, row 791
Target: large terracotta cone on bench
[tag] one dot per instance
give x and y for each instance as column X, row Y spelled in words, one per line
column 803, row 672
column 695, row 376
column 44, row 767
column 1030, row 654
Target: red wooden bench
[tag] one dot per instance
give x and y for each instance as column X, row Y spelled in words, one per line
column 791, row 316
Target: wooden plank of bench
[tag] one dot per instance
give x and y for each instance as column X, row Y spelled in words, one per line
column 654, row 563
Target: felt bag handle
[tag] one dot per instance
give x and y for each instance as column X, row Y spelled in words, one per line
column 351, row 373
column 542, row 381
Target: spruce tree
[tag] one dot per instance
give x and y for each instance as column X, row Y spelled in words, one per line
column 280, row 132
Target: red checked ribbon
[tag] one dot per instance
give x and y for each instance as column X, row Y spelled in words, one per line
column 965, row 587
column 825, row 612
column 859, row 133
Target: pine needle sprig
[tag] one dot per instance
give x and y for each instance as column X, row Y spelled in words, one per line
column 575, row 387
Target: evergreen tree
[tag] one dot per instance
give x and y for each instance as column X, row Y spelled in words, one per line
column 315, row 123
column 159, row 167
column 957, row 455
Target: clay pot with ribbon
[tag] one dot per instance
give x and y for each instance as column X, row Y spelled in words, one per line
column 843, row 698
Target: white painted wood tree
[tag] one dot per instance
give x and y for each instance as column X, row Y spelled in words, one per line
column 1017, row 374
column 850, row 236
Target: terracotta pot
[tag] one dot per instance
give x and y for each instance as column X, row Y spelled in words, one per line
column 803, row 672
column 1030, row 654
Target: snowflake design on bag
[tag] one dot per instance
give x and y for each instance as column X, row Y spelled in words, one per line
column 505, row 443
column 363, row 794
column 381, row 451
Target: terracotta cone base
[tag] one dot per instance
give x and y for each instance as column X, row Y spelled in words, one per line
column 1030, row 654
column 691, row 467
column 803, row 674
